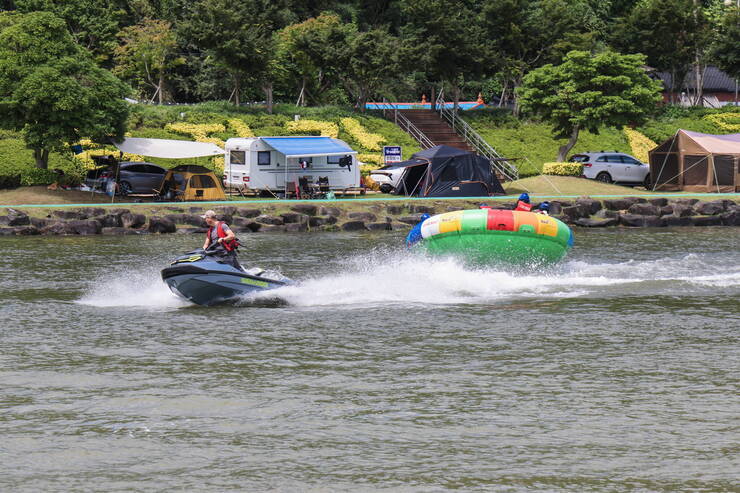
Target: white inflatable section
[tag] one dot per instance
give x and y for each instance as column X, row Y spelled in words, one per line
column 430, row 227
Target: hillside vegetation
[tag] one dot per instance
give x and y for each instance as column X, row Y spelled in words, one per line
column 214, row 122
column 529, row 140
column 533, row 143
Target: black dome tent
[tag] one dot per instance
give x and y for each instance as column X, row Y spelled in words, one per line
column 445, row 171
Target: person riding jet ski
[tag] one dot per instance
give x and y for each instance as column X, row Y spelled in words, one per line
column 221, row 240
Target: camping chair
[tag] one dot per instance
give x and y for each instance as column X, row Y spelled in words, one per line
column 323, row 183
column 307, row 190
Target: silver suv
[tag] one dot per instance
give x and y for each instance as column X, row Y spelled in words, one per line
column 613, row 167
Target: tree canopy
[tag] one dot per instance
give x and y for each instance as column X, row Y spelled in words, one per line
column 349, row 51
column 588, row 91
column 51, row 90
column 725, row 50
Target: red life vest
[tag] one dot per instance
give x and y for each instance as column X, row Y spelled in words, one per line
column 523, row 206
column 228, row 245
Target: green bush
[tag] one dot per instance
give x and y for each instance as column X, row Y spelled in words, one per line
column 206, row 117
column 562, row 169
column 17, row 160
column 37, row 176
column 153, row 115
column 7, row 182
column 157, row 133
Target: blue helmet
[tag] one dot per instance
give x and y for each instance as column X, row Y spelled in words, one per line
column 524, row 197
column 545, row 206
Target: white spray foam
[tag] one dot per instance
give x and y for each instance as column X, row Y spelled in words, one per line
column 131, row 288
column 383, row 278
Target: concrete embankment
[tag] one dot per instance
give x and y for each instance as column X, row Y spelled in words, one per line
column 359, row 215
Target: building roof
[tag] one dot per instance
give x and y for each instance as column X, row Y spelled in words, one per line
column 715, row 80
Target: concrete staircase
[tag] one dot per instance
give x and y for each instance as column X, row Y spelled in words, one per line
column 436, row 129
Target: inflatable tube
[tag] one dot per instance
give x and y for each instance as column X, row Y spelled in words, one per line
column 494, row 236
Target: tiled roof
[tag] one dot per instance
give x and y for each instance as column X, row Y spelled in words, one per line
column 714, row 80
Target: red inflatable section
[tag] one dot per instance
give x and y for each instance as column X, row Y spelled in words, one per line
column 501, row 220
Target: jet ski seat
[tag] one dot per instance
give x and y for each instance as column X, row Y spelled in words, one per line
column 254, row 271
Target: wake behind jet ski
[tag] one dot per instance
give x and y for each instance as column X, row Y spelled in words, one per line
column 199, row 277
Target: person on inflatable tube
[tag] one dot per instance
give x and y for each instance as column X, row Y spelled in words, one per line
column 523, row 204
column 414, row 235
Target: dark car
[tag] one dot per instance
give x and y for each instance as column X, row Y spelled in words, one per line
column 132, row 177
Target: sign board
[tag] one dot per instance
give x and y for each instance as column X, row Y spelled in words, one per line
column 392, row 154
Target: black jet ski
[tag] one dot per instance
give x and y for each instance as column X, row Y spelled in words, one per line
column 199, row 277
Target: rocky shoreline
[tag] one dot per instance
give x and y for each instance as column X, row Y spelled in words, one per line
column 353, row 216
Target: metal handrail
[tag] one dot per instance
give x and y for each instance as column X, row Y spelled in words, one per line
column 406, row 125
column 508, row 170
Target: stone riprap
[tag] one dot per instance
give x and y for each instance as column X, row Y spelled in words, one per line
column 290, row 217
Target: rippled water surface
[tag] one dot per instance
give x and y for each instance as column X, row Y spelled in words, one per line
column 618, row 370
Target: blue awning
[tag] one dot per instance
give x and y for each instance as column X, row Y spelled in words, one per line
column 308, row 146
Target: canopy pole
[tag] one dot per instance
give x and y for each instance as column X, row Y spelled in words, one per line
column 420, row 179
column 660, row 173
column 684, row 171
column 711, row 163
column 115, row 184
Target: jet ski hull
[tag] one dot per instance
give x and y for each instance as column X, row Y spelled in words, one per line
column 211, row 283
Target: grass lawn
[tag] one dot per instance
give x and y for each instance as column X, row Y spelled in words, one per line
column 568, row 185
column 40, row 195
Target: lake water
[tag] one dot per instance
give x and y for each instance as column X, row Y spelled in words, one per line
column 618, row 370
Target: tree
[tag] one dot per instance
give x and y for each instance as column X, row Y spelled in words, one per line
column 316, row 53
column 239, row 36
column 444, row 40
column 526, row 34
column 373, row 56
column 147, row 52
column 52, row 91
column 589, row 91
column 725, row 51
column 92, row 23
column 667, row 32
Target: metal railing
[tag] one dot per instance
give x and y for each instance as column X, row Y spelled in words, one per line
column 483, row 148
column 406, row 125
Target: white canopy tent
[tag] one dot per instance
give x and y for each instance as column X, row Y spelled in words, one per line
column 168, row 148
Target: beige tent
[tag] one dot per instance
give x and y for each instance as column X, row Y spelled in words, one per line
column 697, row 162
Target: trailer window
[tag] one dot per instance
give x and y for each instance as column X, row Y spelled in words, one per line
column 237, row 157
column 333, row 160
column 263, row 158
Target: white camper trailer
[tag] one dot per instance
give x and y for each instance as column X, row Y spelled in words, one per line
column 268, row 163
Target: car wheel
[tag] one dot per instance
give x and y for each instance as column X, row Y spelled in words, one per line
column 646, row 182
column 124, row 188
column 386, row 188
column 604, row 177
